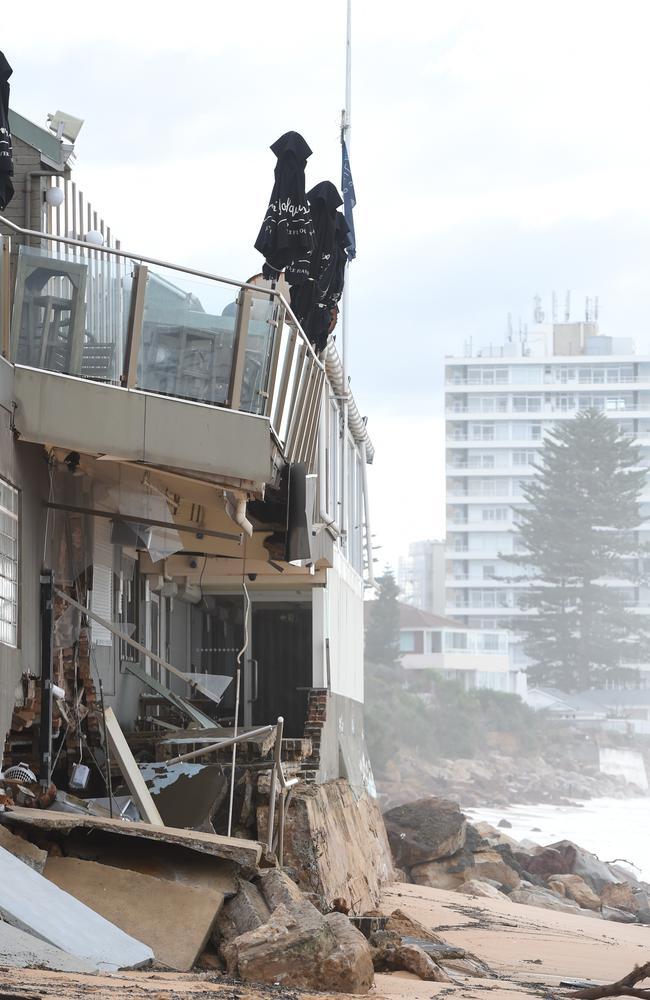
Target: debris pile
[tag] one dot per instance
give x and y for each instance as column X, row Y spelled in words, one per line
column 433, row 844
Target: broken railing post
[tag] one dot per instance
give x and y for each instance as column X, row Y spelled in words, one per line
column 45, row 735
column 274, row 780
column 221, row 745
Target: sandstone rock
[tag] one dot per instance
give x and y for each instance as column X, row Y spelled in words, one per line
column 490, row 865
column 486, row 890
column 446, row 874
column 574, row 887
column 580, row 862
column 278, row 889
column 408, row 958
column 244, row 912
column 425, row 830
column 299, row 947
column 535, row 896
column 348, row 968
column 620, row 896
column 505, row 824
column 619, row 916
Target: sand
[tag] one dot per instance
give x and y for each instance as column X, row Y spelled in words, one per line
column 530, row 951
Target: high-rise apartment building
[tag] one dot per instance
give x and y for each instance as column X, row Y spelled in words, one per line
column 421, row 575
column 499, row 406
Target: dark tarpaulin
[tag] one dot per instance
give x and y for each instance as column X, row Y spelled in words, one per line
column 314, row 302
column 6, row 153
column 287, row 232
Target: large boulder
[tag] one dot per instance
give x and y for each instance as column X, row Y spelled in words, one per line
column 566, row 858
column 536, row 896
column 408, row 958
column 244, row 912
column 298, row 947
column 574, row 887
column 490, row 865
column 620, row 896
column 425, row 830
column 618, row 916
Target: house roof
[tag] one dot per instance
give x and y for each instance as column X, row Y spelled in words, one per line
column 411, row 617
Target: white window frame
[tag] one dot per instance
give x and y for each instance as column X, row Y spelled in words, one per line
column 9, row 565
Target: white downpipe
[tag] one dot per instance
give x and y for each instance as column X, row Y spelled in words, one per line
column 236, row 511
column 366, row 516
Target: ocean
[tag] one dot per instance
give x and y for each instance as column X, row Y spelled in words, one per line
column 610, row 828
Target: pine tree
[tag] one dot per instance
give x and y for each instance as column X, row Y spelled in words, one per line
column 579, row 530
column 382, row 623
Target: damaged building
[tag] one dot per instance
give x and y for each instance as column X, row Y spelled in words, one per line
column 184, row 546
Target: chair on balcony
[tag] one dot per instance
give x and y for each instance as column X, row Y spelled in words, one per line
column 47, row 329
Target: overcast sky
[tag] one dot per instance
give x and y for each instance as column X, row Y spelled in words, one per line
column 498, row 150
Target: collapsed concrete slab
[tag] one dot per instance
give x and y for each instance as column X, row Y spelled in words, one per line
column 244, row 852
column 23, row 850
column 20, row 950
column 139, row 904
column 33, row 904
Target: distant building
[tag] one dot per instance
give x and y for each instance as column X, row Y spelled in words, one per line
column 421, row 575
column 500, row 404
column 476, row 659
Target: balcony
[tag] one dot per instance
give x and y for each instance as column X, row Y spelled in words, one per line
column 169, row 366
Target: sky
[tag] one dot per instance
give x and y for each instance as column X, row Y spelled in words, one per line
column 498, row 150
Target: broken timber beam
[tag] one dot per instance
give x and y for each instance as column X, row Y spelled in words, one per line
column 129, row 768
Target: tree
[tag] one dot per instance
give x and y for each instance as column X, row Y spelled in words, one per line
column 578, row 534
column 382, row 623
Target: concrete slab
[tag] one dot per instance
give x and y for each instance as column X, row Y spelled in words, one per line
column 23, row 849
column 243, row 852
column 32, row 903
column 174, row 920
column 187, row 795
column 20, row 950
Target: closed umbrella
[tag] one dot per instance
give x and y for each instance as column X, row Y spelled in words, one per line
column 314, row 300
column 287, row 233
column 6, row 156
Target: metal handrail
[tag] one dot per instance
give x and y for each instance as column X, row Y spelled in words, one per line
column 143, row 259
column 330, row 366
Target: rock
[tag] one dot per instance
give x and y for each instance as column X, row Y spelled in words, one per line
column 620, row 896
column 574, row 887
column 580, row 862
column 425, row 830
column 470, row 966
column 619, row 916
column 544, row 864
column 244, row 912
column 490, row 865
column 298, row 948
column 448, row 873
column 408, row 958
column 278, row 889
column 349, row 968
column 494, row 837
column 483, row 889
column 535, row 896
column 504, row 824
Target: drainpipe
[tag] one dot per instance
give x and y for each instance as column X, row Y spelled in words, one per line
column 236, row 511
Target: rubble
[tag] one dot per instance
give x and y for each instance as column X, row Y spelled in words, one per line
column 33, row 904
column 144, row 907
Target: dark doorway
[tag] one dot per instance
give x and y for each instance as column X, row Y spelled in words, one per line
column 282, row 663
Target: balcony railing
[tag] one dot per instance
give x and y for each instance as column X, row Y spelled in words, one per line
column 120, row 318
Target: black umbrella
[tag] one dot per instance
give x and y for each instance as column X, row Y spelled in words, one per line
column 6, row 157
column 314, row 301
column 287, row 232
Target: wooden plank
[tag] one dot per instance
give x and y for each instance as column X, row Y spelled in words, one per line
column 126, row 761
column 243, row 852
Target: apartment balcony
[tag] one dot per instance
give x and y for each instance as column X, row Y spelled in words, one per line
column 121, row 356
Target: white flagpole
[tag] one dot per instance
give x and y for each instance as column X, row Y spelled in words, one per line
column 345, row 300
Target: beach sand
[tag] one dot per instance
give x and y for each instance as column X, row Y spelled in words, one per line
column 530, row 951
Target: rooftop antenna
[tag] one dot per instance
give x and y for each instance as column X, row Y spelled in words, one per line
column 567, row 307
column 510, row 333
column 554, row 307
column 587, row 310
column 596, row 309
column 538, row 312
